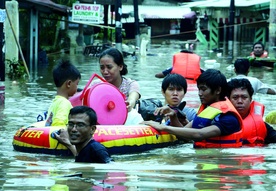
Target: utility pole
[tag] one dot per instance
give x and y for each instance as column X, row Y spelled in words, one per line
column 2, row 60
column 136, row 23
column 105, row 38
column 231, row 28
column 118, row 24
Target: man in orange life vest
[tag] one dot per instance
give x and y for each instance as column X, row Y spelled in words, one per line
column 194, row 63
column 255, row 132
column 217, row 123
column 258, row 51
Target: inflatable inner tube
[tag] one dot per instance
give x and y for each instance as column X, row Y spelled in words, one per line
column 118, row 139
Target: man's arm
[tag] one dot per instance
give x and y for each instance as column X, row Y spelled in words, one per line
column 63, row 138
column 271, row 91
column 271, row 134
column 186, row 132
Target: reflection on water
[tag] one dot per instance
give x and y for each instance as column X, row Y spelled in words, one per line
column 174, row 168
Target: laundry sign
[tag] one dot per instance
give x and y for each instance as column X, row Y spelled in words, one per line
column 86, row 13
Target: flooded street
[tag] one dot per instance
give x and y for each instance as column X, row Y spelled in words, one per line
column 173, row 168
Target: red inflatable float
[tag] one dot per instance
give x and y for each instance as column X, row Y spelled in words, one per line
column 118, row 139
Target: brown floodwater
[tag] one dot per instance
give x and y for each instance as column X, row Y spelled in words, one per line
column 177, row 167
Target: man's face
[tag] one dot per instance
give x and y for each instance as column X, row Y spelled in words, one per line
column 258, row 50
column 174, row 95
column 206, row 96
column 241, row 99
column 79, row 129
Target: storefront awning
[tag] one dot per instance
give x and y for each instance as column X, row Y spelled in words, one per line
column 156, row 12
column 44, row 6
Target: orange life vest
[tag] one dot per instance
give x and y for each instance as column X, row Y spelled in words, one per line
column 254, row 131
column 214, row 110
column 187, row 65
column 264, row 55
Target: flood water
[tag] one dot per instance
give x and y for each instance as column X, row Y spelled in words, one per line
column 173, row 168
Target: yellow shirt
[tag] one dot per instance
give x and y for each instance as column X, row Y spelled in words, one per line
column 58, row 112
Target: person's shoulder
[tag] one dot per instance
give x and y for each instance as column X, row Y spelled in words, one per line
column 252, row 78
column 229, row 116
column 61, row 100
column 127, row 79
column 96, row 145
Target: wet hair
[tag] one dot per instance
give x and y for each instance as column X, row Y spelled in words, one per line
column 117, row 58
column 214, row 79
column 63, row 71
column 87, row 110
column 260, row 43
column 186, row 51
column 242, row 66
column 242, row 83
column 175, row 80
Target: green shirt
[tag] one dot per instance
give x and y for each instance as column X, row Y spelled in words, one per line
column 58, row 112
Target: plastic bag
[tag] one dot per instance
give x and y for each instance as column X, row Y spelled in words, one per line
column 146, row 108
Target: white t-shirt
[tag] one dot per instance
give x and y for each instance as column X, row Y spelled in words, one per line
column 258, row 86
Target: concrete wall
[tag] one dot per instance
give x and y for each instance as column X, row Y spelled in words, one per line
column 10, row 42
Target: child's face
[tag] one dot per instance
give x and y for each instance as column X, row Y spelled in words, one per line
column 73, row 86
column 174, row 95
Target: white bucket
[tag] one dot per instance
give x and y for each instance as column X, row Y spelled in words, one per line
column 211, row 64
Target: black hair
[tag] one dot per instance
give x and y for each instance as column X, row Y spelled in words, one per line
column 65, row 71
column 214, row 79
column 87, row 110
column 186, row 51
column 242, row 66
column 175, row 80
column 117, row 58
column 242, row 83
column 260, row 43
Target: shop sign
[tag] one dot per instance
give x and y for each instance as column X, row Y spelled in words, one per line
column 86, row 13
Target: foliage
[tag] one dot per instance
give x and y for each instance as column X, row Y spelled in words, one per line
column 111, row 34
column 69, row 3
column 16, row 69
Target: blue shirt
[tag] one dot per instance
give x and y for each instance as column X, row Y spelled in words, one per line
column 94, row 152
column 228, row 123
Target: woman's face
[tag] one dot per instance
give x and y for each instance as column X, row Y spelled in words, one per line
column 109, row 69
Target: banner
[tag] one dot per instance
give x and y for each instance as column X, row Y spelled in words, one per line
column 86, row 13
